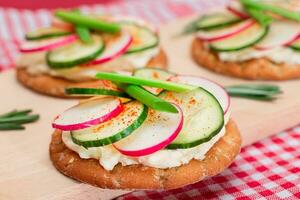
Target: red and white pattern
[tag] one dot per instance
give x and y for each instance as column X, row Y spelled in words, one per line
column 269, row 169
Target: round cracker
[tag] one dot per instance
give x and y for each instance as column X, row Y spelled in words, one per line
column 219, row 157
column 54, row 86
column 254, row 69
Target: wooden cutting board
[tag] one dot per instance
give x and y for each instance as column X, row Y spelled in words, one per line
column 26, row 171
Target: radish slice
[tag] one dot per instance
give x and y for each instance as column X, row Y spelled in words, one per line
column 225, row 32
column 217, row 90
column 47, row 44
column 61, row 24
column 159, row 130
column 280, row 33
column 138, row 21
column 114, row 49
column 88, row 114
column 236, row 8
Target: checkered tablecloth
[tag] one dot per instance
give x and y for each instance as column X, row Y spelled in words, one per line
column 269, row 169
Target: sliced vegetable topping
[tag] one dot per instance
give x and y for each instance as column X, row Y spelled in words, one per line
column 204, row 117
column 143, row 38
column 88, row 114
column 280, row 33
column 75, row 54
column 46, row 32
column 242, row 40
column 123, row 125
column 117, row 46
column 144, row 81
column 94, row 92
column 46, row 44
column 217, row 90
column 295, row 45
column 227, row 32
column 216, row 20
column 158, row 130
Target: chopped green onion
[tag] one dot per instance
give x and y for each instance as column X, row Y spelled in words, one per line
column 176, row 87
column 256, row 92
column 88, row 22
column 259, row 16
column 20, row 119
column 275, row 9
column 15, row 113
column 10, row 126
column 147, row 98
column 82, row 31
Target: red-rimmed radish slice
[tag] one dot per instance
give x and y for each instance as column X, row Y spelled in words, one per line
column 115, row 48
column 280, row 33
column 226, row 32
column 88, row 114
column 158, row 130
column 217, row 90
column 236, row 8
column 46, row 44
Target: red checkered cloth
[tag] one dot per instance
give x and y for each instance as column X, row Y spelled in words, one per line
column 269, row 169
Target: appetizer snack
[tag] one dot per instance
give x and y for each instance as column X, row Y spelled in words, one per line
column 76, row 46
column 151, row 134
column 250, row 40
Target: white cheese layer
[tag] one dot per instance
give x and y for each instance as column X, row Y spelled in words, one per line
column 109, row 157
column 277, row 55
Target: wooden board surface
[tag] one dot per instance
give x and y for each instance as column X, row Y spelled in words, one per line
column 26, row 171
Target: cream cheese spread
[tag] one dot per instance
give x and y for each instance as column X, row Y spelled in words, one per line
column 109, row 157
column 278, row 55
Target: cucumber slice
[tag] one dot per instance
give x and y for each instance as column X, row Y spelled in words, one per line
column 153, row 73
column 203, row 114
column 75, row 53
column 46, row 32
column 241, row 40
column 143, row 38
column 216, row 20
column 93, row 92
column 132, row 117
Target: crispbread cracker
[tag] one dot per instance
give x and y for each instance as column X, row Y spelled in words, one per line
column 254, row 69
column 54, row 86
column 219, row 157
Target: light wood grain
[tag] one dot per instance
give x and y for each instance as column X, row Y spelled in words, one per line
column 26, row 171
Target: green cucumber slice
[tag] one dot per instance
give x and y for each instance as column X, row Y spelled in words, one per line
column 94, row 91
column 75, row 53
column 46, row 32
column 153, row 73
column 143, row 37
column 241, row 40
column 216, row 20
column 203, row 117
column 121, row 126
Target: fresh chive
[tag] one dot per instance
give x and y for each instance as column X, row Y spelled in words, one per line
column 259, row 16
column 20, row 119
column 10, row 126
column 147, row 98
column 257, row 92
column 82, row 31
column 176, row 87
column 15, row 113
column 88, row 22
column 274, row 9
